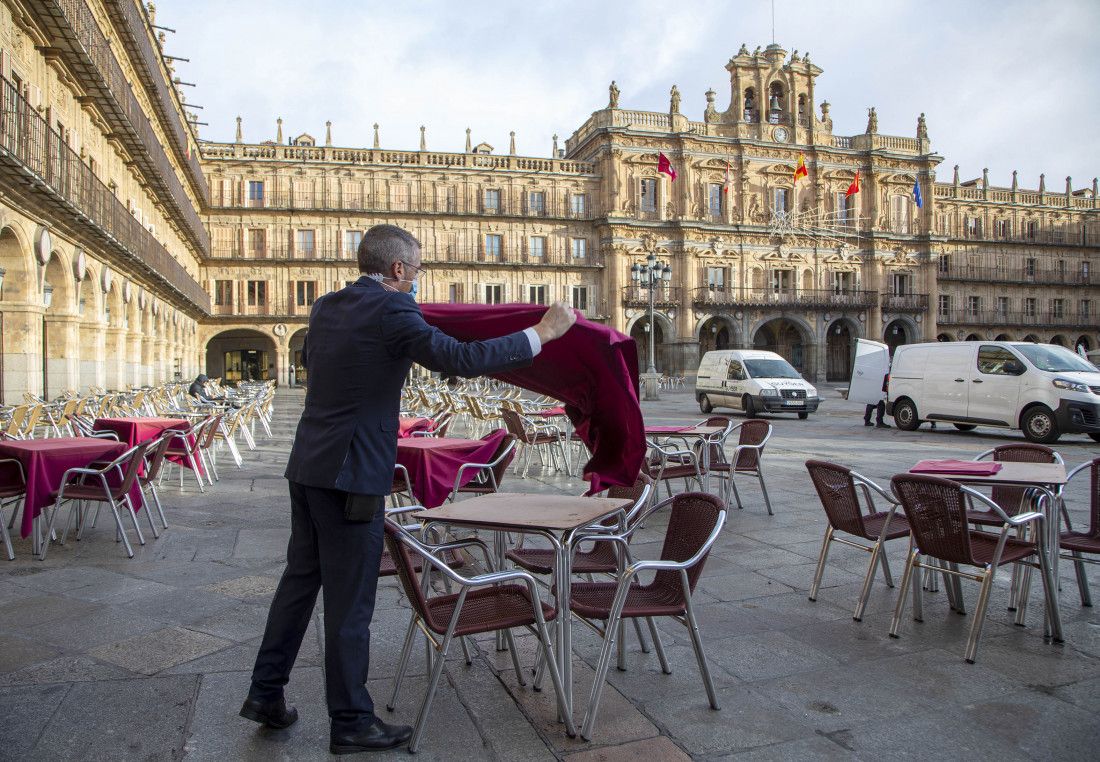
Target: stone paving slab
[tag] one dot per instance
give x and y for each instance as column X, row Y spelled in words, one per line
column 104, row 657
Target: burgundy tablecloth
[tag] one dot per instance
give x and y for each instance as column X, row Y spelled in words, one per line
column 956, row 467
column 549, row 412
column 406, row 426
column 593, row 369
column 46, row 460
column 140, row 429
column 433, row 463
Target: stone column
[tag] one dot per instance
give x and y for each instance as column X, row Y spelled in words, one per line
column 133, row 356
column 162, row 360
column 93, row 354
column 62, row 353
column 148, row 358
column 22, row 350
column 115, row 365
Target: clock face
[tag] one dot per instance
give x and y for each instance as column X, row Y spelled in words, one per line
column 780, row 134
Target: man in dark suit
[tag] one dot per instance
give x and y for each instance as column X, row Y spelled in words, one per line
column 362, row 341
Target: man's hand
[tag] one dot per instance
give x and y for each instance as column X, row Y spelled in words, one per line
column 557, row 320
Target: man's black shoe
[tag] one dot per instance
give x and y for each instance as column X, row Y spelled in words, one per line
column 866, row 423
column 274, row 714
column 378, row 736
column 881, row 425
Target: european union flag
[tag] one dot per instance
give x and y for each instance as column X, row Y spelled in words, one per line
column 916, row 194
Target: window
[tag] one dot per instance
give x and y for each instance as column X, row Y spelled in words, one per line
column 899, row 214
column 399, row 197
column 997, row 361
column 257, row 293
column 945, row 305
column 973, row 305
column 973, row 227
column 579, row 298
column 536, row 247
column 536, row 294
column 780, row 200
column 1032, row 230
column 305, row 293
column 223, row 293
column 649, row 195
column 491, row 201
column 1002, row 229
column 1061, row 269
column 494, row 244
column 580, row 248
column 716, row 278
column 782, row 280
column 578, row 204
column 714, row 199
column 1029, row 306
column 736, row 371
column 351, row 243
column 255, row 193
column 1086, row 308
column 454, row 293
column 257, row 243
column 303, row 243
column 901, row 284
column 843, row 282
column 1084, row 272
column 494, row 293
column 1058, row 308
column 1029, row 267
column 445, row 199
column 1002, row 306
column 536, row 203
column 944, row 264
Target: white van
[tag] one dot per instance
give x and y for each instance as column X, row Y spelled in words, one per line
column 754, row 381
column 1043, row 389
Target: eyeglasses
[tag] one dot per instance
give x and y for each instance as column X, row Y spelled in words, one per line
column 418, row 268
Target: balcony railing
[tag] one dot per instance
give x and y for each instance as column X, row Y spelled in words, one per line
column 78, row 39
column 762, row 297
column 1018, row 275
column 39, row 166
column 904, row 302
column 994, row 318
column 663, row 296
column 1047, row 235
column 457, row 255
column 277, row 309
column 335, row 200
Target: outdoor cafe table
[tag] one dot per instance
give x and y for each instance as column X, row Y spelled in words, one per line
column 407, row 426
column 700, row 432
column 433, row 463
column 555, row 517
column 45, row 462
column 1048, row 479
column 137, row 430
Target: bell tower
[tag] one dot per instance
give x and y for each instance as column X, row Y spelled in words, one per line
column 771, row 97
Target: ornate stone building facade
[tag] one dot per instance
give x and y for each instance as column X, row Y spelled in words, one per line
column 133, row 252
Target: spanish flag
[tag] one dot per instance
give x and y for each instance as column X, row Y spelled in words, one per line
column 800, row 170
column 854, row 187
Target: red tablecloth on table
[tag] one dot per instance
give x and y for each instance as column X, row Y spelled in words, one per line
column 957, row 467
column 433, row 463
column 141, row 429
column 45, row 462
column 550, row 412
column 406, row 426
column 593, row 369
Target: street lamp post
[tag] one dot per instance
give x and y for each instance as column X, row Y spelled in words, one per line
column 651, row 276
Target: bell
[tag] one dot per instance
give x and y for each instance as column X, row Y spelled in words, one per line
column 774, row 102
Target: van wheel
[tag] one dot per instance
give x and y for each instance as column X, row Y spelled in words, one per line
column 803, row 416
column 704, row 403
column 747, row 406
column 1039, row 425
column 905, row 415
column 964, row 426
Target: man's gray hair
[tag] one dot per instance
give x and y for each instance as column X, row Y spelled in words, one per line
column 383, row 245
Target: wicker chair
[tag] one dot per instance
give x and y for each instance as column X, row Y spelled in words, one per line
column 838, row 489
column 1011, row 499
column 667, row 462
column 695, row 521
column 748, row 456
column 490, row 474
column 490, row 602
column 937, row 513
column 1087, row 542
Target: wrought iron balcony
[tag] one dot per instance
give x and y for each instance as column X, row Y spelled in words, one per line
column 997, row 318
column 40, row 169
column 783, row 298
column 1017, row 275
column 904, row 302
column 506, row 257
column 663, row 296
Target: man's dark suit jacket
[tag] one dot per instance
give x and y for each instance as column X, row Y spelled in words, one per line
column 361, row 343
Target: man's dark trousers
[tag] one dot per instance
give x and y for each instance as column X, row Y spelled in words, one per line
column 342, row 557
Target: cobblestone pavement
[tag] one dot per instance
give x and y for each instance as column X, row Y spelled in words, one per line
column 102, row 657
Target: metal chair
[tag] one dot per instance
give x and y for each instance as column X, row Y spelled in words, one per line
column 1087, row 542
column 84, row 485
column 185, row 446
column 937, row 513
column 748, row 456
column 837, row 489
column 13, row 489
column 150, row 473
column 694, row 524
column 490, row 474
column 530, row 434
column 489, row 602
column 667, row 462
column 1012, row 500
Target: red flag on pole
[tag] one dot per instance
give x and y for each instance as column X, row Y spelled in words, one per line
column 800, row 170
column 726, row 184
column 854, row 187
column 664, row 165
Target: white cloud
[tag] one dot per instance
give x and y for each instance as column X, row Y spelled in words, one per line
column 1005, row 84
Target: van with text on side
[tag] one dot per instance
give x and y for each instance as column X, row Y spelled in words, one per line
column 754, row 381
column 1043, row 389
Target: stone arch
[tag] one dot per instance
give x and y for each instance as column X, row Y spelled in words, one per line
column 240, row 354
column 19, row 268
column 792, row 338
column 296, row 343
column 840, row 340
column 717, row 332
column 901, row 330
column 1058, row 340
column 93, row 348
column 20, row 321
column 1032, row 338
column 665, row 333
column 60, row 327
column 1003, row 337
column 1083, row 343
column 944, row 337
column 975, row 337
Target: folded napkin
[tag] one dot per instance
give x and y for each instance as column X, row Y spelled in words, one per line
column 957, row 467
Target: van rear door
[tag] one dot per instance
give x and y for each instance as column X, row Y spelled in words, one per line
column 947, row 374
column 871, row 365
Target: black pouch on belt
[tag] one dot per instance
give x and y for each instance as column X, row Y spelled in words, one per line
column 362, row 508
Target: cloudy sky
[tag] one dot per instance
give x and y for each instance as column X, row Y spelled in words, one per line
column 1005, row 84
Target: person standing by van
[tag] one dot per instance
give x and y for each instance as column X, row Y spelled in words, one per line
column 879, row 409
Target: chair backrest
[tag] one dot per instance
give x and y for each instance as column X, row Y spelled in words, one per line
column 837, row 491
column 404, row 561
column 503, row 456
column 18, row 415
column 514, row 424
column 1011, row 499
column 754, row 431
column 131, row 462
column 693, row 519
column 442, row 423
column 936, row 511
column 210, row 431
column 155, row 456
column 638, row 493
